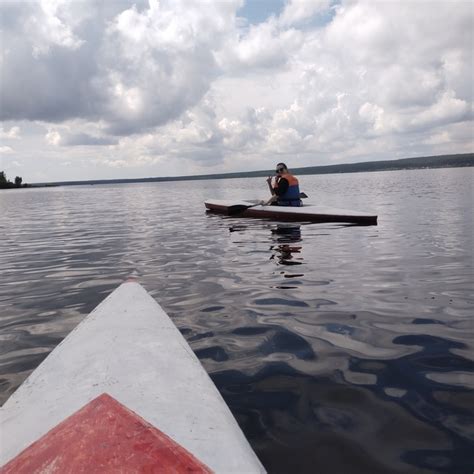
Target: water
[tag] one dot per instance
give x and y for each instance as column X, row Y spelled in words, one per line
column 338, row 348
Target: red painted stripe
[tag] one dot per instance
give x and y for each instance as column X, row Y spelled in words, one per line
column 102, row 437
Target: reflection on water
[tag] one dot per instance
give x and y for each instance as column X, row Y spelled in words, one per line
column 286, row 233
column 285, row 253
column 338, row 348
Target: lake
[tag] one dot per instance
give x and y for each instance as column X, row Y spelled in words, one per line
column 338, row 348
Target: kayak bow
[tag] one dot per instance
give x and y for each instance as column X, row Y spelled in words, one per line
column 123, row 387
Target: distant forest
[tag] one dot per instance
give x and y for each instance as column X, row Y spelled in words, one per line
column 443, row 161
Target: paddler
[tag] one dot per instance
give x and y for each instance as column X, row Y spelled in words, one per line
column 284, row 188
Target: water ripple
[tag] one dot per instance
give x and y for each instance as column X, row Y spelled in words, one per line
column 338, row 348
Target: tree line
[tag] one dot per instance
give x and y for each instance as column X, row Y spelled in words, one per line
column 5, row 183
column 442, row 161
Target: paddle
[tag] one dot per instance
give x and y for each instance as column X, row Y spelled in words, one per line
column 238, row 208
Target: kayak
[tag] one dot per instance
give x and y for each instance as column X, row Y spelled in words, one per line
column 305, row 213
column 123, row 392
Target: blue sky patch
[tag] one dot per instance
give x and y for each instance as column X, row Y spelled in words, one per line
column 257, row 11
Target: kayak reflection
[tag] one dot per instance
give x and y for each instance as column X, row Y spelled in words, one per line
column 285, row 252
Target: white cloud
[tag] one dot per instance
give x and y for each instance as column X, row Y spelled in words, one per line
column 116, row 163
column 159, row 62
column 184, row 86
column 49, row 29
column 438, row 138
column 133, row 71
column 6, row 150
column 297, row 11
column 447, row 109
column 264, row 46
column 12, row 133
column 53, row 137
column 85, row 139
column 373, row 115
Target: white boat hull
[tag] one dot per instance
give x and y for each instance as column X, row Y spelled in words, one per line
column 130, row 349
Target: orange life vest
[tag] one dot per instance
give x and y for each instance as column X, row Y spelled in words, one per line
column 292, row 195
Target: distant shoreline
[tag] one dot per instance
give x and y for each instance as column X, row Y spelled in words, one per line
column 429, row 162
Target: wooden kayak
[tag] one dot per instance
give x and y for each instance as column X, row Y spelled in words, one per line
column 305, row 213
column 123, row 392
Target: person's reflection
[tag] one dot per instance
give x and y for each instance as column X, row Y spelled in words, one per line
column 285, row 252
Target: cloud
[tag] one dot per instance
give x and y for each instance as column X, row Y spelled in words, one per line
column 447, row 109
column 376, row 71
column 438, row 138
column 53, row 137
column 63, row 136
column 134, row 71
column 184, row 85
column 116, row 163
column 297, row 11
column 373, row 115
column 12, row 133
column 156, row 64
column 44, row 72
column 263, row 47
column 50, row 29
column 84, row 139
column 6, row 150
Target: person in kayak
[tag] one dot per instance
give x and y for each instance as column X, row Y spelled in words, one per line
column 284, row 187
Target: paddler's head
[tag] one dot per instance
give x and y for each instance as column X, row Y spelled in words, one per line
column 281, row 169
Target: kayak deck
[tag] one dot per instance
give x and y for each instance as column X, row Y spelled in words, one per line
column 129, row 349
column 113, row 438
column 307, row 212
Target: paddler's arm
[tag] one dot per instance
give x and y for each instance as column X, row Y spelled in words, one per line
column 282, row 187
column 272, row 199
column 278, row 191
column 270, row 187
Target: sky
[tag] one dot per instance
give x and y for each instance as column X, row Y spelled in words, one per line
column 123, row 89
